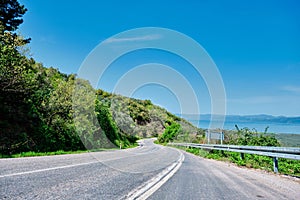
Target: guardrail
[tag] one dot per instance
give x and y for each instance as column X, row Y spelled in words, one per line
column 274, row 152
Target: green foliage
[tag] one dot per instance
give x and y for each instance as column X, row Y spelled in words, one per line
column 170, row 133
column 136, row 117
column 106, row 123
column 289, row 166
column 10, row 14
column 139, row 112
column 252, row 138
column 32, row 153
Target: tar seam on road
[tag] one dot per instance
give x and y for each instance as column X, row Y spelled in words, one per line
column 147, row 189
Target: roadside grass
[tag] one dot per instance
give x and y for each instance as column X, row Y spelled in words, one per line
column 285, row 166
column 33, row 154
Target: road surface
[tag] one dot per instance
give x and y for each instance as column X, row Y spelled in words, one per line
column 148, row 171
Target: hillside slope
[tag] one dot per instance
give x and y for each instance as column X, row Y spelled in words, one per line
column 141, row 117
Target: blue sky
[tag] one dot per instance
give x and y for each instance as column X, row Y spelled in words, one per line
column 255, row 45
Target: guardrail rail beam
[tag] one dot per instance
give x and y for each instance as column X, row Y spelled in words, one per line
column 273, row 152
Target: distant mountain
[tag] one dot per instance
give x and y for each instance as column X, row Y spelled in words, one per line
column 246, row 118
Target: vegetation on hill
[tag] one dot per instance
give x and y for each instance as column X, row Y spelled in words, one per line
column 135, row 117
column 35, row 102
column 38, row 111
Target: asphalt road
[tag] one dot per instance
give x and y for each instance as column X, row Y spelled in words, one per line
column 200, row 178
column 97, row 175
column 119, row 174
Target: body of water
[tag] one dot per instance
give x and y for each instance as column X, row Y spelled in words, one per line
column 259, row 126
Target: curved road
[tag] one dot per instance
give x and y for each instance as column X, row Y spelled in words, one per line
column 146, row 171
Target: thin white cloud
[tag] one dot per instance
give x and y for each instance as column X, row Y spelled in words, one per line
column 254, row 100
column 47, row 39
column 272, row 100
column 134, row 39
column 294, row 89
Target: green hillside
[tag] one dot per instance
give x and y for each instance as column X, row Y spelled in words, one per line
column 140, row 117
column 38, row 111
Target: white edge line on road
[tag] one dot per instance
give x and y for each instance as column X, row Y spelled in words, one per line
column 47, row 169
column 60, row 167
column 146, row 190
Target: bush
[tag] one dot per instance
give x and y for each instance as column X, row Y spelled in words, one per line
column 252, row 138
column 170, row 133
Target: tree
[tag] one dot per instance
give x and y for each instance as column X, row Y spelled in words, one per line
column 14, row 66
column 16, row 80
column 10, row 15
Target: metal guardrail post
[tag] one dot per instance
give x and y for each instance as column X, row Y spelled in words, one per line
column 242, row 156
column 208, row 136
column 222, row 137
column 275, row 164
